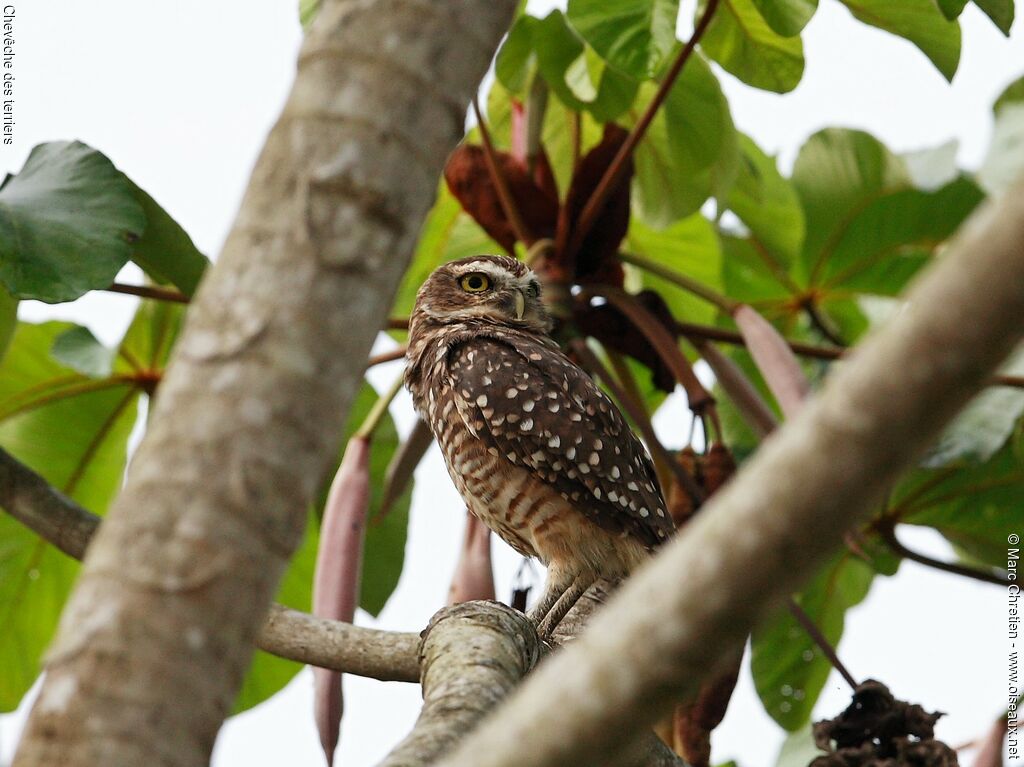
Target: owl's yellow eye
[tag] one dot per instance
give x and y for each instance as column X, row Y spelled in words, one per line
column 475, row 282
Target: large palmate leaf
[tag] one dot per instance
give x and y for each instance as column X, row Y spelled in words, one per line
column 635, row 36
column 787, row 17
column 1000, row 11
column 8, row 319
column 74, row 431
column 919, row 21
column 689, row 152
column 740, row 39
column 789, row 669
column 165, row 251
column 67, row 223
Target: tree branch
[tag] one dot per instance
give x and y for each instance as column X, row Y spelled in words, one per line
column 783, row 513
column 386, row 655
column 149, row 291
column 158, row 633
column 472, row 655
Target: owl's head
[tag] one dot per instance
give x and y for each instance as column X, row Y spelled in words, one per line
column 495, row 289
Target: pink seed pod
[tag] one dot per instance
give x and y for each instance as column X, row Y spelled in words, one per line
column 774, row 359
column 473, row 578
column 338, row 567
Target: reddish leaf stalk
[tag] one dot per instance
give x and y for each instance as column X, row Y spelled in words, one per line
column 391, row 356
column 726, row 304
column 774, row 359
column 887, row 532
column 508, row 204
column 741, row 391
column 819, row 639
column 474, row 575
column 403, row 463
column 613, row 175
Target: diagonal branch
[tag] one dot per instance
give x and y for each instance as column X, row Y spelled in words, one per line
column 386, row 655
column 786, row 510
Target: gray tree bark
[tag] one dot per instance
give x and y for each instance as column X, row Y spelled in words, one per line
column 154, row 641
column 766, row 531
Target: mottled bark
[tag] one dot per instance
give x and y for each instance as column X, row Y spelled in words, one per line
column 473, row 654
column 779, row 518
column 390, row 656
column 157, row 635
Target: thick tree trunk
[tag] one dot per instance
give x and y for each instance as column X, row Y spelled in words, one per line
column 156, row 637
column 784, row 512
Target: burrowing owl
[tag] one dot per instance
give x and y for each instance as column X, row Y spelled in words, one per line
column 536, row 449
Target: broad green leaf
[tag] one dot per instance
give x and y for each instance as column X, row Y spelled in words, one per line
column 308, row 9
column 74, row 431
column 690, row 247
column 150, row 337
column 562, row 60
column 1004, row 162
column 837, row 174
column 67, row 223
column 79, row 350
column 689, row 152
column 982, row 427
column 1012, row 94
column 788, row 667
column 751, row 273
column 973, row 505
column 767, row 203
column 952, row 9
column 8, row 319
column 634, row 36
column 1000, row 11
column 740, row 39
column 919, row 21
column 878, row 249
column 787, row 17
column 268, row 674
column 516, row 60
column 165, row 251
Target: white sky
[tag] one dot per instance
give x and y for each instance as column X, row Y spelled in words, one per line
column 180, row 96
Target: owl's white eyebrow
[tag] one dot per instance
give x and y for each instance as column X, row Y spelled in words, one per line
column 484, row 267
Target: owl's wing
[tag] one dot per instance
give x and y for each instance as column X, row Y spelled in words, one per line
column 533, row 405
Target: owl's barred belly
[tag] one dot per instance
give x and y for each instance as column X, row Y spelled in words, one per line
column 531, row 516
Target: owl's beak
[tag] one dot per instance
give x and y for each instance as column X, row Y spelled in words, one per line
column 520, row 304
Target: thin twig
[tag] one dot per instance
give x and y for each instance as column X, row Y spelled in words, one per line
column 508, row 203
column 821, row 321
column 688, row 284
column 149, row 291
column 819, row 639
column 391, row 356
column 887, row 532
column 613, row 175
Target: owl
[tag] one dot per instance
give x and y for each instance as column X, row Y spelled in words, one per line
column 535, row 448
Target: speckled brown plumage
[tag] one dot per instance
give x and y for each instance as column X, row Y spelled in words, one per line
column 535, row 448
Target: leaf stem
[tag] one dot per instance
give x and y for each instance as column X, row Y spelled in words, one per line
column 819, row 639
column 508, row 204
column 688, row 284
column 390, row 356
column 149, row 291
column 613, row 175
column 888, row 535
column 379, row 409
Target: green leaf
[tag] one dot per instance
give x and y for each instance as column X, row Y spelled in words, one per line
column 690, row 247
column 634, row 36
column 767, row 203
column 973, row 505
column 516, row 61
column 150, row 337
column 837, row 174
column 67, row 223
column 1012, row 94
column 166, row 252
column 952, row 9
column 8, row 319
column 982, row 427
column 788, row 667
column 562, row 60
column 787, row 17
column 740, row 39
column 690, row 150
column 1001, row 12
column 268, row 674
column 79, row 350
column 74, row 431
column 919, row 21
column 308, row 9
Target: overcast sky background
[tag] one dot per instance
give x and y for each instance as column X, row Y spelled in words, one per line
column 181, row 95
